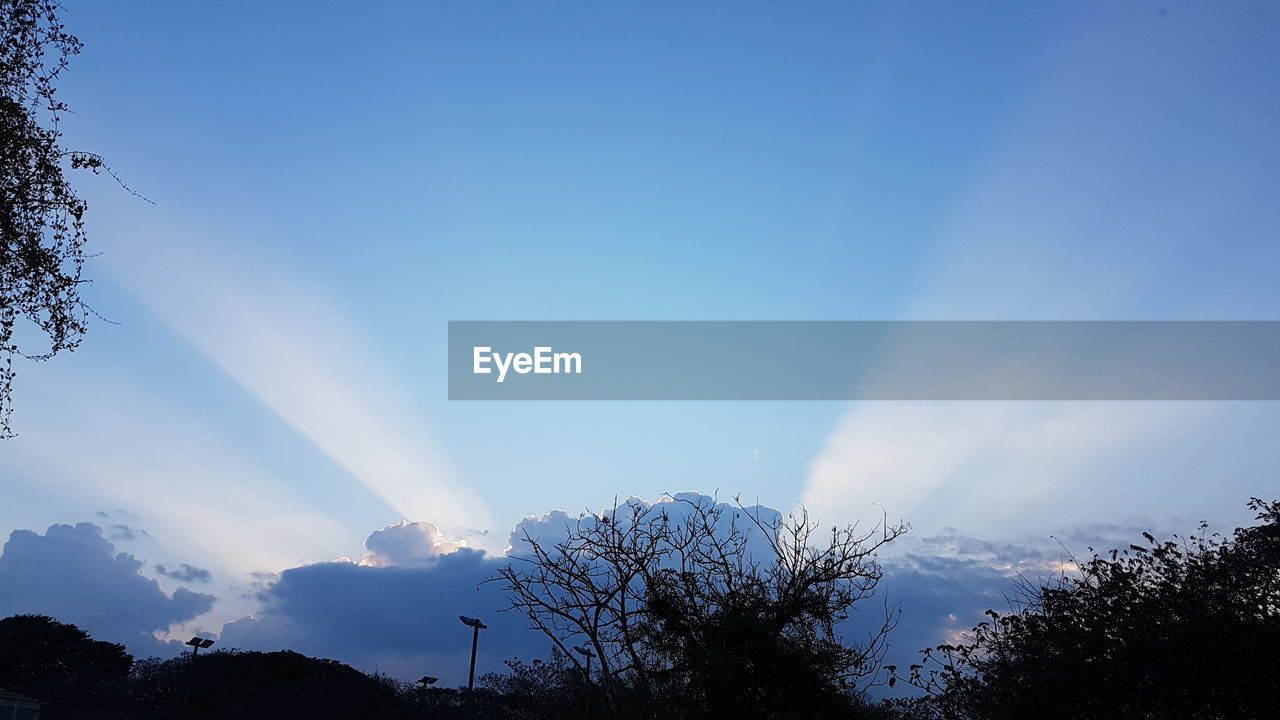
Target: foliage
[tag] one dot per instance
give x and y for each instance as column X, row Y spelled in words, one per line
column 248, row 685
column 540, row 689
column 1187, row 628
column 715, row 611
column 75, row 676
column 42, row 236
column 57, row 662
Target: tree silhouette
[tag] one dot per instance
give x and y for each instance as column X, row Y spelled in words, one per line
column 61, row 665
column 267, row 685
column 1186, row 628
column 698, row 609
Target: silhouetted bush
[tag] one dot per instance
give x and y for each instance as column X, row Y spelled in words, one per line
column 1187, row 628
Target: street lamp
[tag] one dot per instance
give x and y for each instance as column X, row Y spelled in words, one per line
column 476, row 626
column 196, row 644
column 426, row 681
column 586, row 653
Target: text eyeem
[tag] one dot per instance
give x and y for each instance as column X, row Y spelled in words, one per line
column 541, row 362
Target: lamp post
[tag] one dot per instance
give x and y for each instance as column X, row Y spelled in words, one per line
column 196, row 643
column 476, row 626
column 586, row 653
column 426, row 681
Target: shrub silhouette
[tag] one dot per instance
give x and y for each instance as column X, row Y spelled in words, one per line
column 1186, row 628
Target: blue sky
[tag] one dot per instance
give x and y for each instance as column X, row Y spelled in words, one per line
column 333, row 185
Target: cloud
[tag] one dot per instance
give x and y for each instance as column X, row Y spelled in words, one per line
column 75, row 575
column 940, row 599
column 944, row 583
column 407, row 544
column 395, row 619
column 555, row 525
column 125, row 533
column 397, row 610
column 186, row 573
column 155, row 455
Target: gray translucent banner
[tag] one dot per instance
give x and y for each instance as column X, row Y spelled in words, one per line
column 926, row 360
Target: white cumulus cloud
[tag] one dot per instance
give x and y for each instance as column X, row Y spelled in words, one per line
column 407, row 544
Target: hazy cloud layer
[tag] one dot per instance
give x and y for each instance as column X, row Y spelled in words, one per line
column 75, row 575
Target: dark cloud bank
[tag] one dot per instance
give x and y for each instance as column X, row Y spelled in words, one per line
column 75, row 575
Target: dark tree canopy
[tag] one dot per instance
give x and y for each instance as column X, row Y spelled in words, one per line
column 267, row 685
column 74, row 676
column 42, row 236
column 60, row 664
column 1187, row 628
